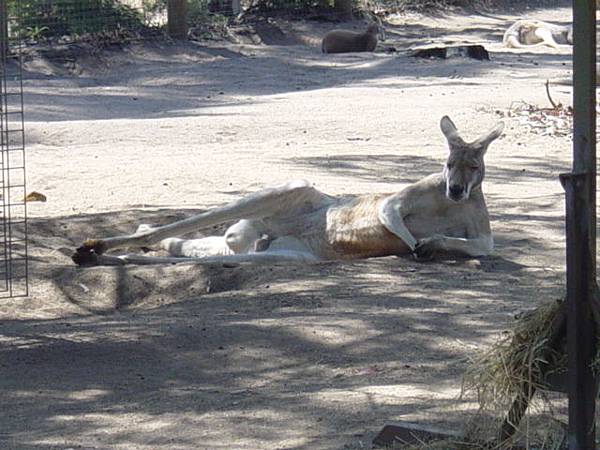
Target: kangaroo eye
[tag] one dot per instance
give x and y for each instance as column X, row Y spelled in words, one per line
column 450, row 165
column 474, row 167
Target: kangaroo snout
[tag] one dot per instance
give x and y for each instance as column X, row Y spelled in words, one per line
column 456, row 192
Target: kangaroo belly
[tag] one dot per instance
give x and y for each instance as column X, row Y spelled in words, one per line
column 354, row 230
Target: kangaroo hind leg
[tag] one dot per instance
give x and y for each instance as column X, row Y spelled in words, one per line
column 546, row 36
column 245, row 236
column 288, row 200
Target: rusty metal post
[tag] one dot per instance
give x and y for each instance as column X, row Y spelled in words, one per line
column 177, row 18
column 580, row 187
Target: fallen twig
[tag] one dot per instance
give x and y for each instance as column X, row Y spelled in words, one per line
column 554, row 105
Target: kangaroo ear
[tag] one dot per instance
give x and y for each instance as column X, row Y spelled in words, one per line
column 450, row 131
column 491, row 135
column 448, row 127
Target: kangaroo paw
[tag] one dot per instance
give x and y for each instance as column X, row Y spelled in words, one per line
column 87, row 254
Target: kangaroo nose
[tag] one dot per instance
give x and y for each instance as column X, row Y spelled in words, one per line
column 456, row 190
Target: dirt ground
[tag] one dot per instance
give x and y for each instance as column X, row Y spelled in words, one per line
column 282, row 357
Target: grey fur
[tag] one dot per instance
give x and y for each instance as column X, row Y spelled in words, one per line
column 346, row 41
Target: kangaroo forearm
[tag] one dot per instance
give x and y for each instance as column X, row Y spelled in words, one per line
column 390, row 216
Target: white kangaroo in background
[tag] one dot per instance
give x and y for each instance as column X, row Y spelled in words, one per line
column 442, row 213
column 528, row 33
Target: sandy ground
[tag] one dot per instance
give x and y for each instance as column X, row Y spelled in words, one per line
column 276, row 357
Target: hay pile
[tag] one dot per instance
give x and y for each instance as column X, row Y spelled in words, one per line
column 518, row 366
column 529, row 359
column 520, row 356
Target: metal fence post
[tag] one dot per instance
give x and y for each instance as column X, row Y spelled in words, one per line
column 14, row 270
column 580, row 187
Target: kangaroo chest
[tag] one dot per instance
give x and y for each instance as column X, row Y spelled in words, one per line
column 354, row 230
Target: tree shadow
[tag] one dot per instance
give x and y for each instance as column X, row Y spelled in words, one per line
column 184, row 356
column 188, row 350
column 168, row 79
column 402, row 168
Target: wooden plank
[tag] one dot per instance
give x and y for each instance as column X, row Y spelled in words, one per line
column 410, row 433
column 406, row 433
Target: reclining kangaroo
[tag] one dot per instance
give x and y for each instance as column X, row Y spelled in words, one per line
column 534, row 33
column 444, row 212
column 345, row 41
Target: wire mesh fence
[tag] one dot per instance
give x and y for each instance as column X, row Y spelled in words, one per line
column 13, row 209
column 66, row 21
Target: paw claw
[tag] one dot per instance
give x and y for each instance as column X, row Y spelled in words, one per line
column 424, row 250
column 422, row 256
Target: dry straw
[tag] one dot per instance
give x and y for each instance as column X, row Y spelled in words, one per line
column 520, row 356
column 518, row 364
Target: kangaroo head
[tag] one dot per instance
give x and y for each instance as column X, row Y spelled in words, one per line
column 570, row 34
column 464, row 170
column 376, row 28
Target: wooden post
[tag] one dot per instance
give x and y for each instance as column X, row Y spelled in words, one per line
column 3, row 28
column 236, row 7
column 581, row 330
column 584, row 99
column 177, row 19
column 580, row 187
column 343, row 8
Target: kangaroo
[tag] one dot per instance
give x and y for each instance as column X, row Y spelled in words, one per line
column 346, row 41
column 444, row 213
column 535, row 33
